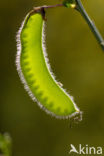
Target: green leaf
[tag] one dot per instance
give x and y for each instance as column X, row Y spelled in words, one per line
column 5, row 145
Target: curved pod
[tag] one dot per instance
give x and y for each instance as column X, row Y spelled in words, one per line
column 34, row 70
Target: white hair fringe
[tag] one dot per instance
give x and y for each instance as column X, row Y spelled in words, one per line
column 18, row 65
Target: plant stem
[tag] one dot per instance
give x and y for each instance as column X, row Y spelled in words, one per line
column 92, row 26
column 52, row 6
column 41, row 9
column 47, row 7
column 79, row 7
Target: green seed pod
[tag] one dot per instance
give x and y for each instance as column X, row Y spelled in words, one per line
column 34, row 69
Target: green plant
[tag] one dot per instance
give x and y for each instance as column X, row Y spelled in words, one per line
column 5, row 145
column 32, row 62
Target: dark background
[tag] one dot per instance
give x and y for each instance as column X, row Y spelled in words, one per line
column 77, row 61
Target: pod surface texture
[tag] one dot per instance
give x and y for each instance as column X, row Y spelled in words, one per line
column 34, row 72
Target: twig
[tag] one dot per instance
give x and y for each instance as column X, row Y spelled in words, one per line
column 92, row 26
column 79, row 7
column 52, row 6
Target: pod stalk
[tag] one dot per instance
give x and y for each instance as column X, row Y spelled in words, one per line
column 41, row 9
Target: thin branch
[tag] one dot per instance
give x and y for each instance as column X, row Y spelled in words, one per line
column 92, row 26
column 52, row 6
column 79, row 7
column 48, row 7
column 41, row 9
